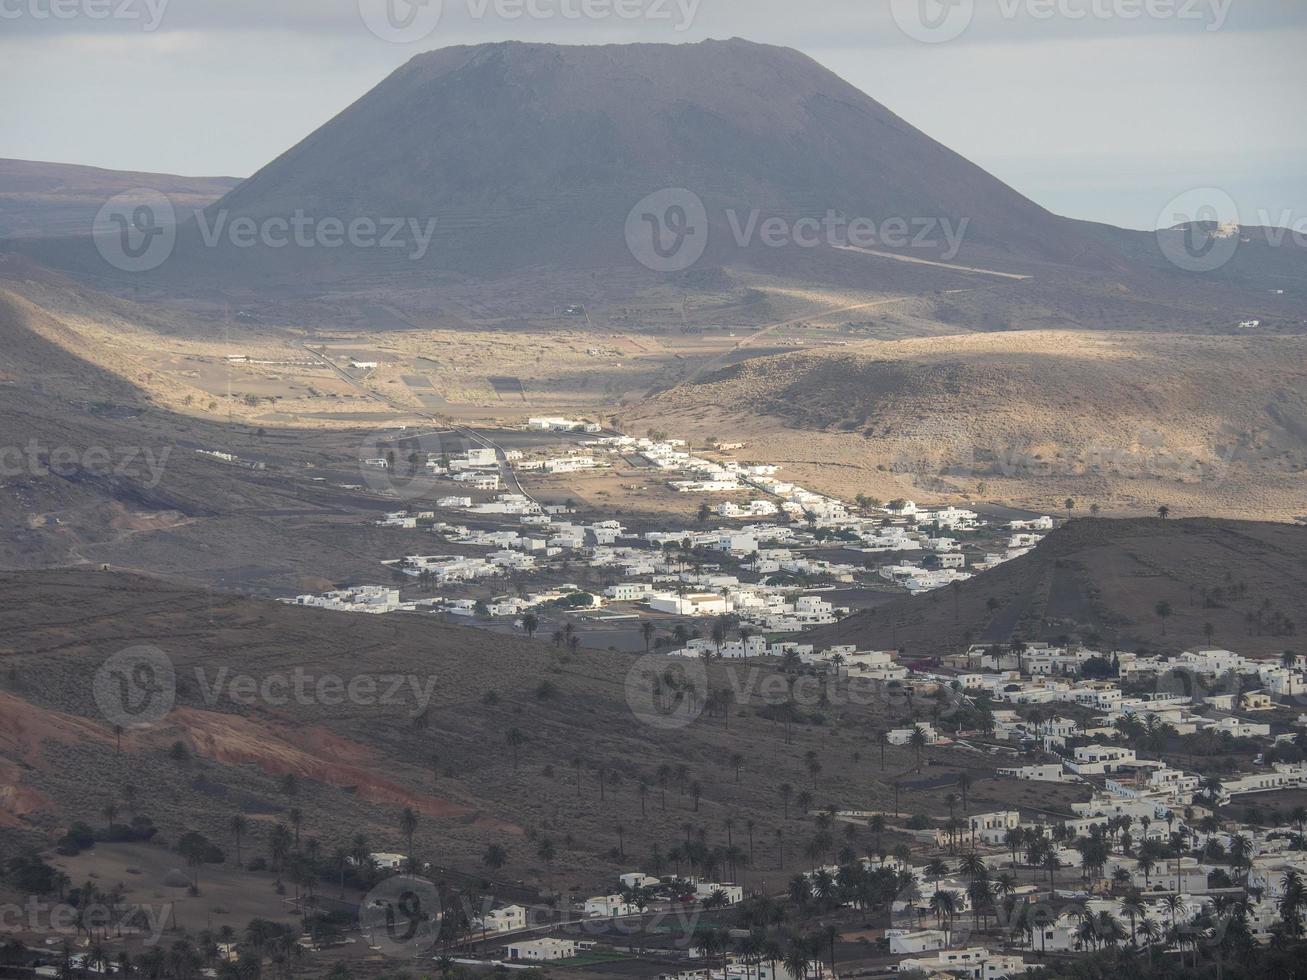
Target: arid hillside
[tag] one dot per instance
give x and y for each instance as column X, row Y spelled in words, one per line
column 218, row 752
column 48, row 199
column 1209, row 425
column 1102, row 581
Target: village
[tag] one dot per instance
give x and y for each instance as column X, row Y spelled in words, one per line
column 1160, row 856
column 1164, row 852
column 775, row 558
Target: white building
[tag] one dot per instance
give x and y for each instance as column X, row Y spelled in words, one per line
column 629, row 591
column 547, row 949
column 607, row 906
column 973, row 963
column 904, row 942
column 691, row 604
column 510, row 918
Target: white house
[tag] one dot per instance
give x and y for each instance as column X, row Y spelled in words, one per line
column 629, row 591
column 974, row 963
column 1097, row 759
column 734, row 894
column 903, row 942
column 547, row 949
column 606, row 906
column 902, row 736
column 692, row 604
column 508, row 919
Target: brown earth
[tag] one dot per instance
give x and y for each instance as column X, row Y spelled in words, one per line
column 1206, row 424
column 1101, row 581
column 359, row 764
column 44, row 199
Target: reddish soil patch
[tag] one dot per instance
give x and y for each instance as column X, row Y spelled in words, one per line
column 310, row 753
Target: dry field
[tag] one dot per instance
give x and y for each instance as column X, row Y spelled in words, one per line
column 294, row 368
column 1204, row 424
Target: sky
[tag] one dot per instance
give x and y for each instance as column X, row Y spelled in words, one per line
column 1097, row 109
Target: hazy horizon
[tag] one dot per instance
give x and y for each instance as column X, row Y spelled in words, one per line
column 1137, row 109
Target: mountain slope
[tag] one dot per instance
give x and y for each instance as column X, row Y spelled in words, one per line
column 1208, row 424
column 1100, row 580
column 50, row 199
column 359, row 760
column 556, row 144
column 522, row 164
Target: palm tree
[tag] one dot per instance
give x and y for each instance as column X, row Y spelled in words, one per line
column 1298, row 816
column 980, row 893
column 1013, row 839
column 1164, row 512
column 516, row 739
column 408, row 825
column 1133, row 909
column 973, row 866
column 964, row 784
column 238, row 826
column 1151, row 932
column 936, row 869
column 1051, row 864
column 795, row 960
column 877, row 826
column 1241, row 850
column 1107, row 928
column 945, row 905
column 918, row 741
column 1163, row 611
column 279, row 842
column 1173, row 905
column 647, row 631
column 1086, row 934
column 813, row 765
column 737, row 763
column 546, row 852
column 719, row 632
column 1293, row 898
column 1146, row 863
column 1005, row 884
